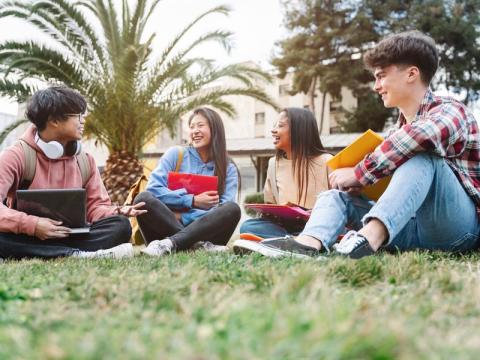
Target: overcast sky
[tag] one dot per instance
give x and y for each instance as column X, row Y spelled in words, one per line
column 256, row 25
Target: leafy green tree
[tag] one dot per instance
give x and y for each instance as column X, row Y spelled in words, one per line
column 455, row 27
column 369, row 114
column 315, row 26
column 325, row 54
column 105, row 53
column 323, row 51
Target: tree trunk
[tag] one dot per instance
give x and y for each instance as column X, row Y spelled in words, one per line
column 322, row 115
column 312, row 94
column 121, row 171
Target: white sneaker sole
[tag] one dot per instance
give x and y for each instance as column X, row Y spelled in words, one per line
column 123, row 251
column 152, row 253
column 147, row 252
column 217, row 249
column 243, row 247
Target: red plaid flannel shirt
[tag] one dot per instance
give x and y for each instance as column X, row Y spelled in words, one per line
column 442, row 126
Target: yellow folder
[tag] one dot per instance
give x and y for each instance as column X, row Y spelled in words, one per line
column 354, row 153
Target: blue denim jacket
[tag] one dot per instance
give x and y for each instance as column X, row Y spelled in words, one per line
column 193, row 164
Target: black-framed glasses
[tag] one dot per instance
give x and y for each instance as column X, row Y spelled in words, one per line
column 80, row 116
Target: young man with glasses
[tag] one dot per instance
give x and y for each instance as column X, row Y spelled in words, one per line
column 433, row 152
column 58, row 117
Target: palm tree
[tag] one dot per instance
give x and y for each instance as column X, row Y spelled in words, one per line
column 132, row 94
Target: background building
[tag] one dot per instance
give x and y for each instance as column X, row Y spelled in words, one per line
column 248, row 133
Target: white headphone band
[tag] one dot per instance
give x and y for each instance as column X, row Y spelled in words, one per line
column 55, row 150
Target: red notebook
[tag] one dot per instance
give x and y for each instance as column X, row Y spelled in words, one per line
column 193, row 183
column 281, row 211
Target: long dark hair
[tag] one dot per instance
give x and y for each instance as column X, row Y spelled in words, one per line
column 218, row 145
column 305, row 145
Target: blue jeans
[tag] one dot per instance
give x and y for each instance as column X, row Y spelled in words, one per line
column 424, row 207
column 269, row 228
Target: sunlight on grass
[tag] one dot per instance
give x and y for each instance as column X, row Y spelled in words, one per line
column 205, row 306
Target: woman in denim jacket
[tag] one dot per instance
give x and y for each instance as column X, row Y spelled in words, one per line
column 177, row 220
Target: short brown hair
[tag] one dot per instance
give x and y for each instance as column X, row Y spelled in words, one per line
column 406, row 48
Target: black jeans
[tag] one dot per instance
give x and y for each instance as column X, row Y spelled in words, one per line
column 159, row 222
column 105, row 233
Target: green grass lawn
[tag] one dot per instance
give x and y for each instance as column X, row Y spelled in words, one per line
column 220, row 306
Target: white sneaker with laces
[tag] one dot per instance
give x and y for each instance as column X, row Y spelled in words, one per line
column 116, row 252
column 354, row 245
column 159, row 248
column 210, row 247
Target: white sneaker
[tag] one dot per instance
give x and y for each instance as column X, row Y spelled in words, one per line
column 159, row 248
column 210, row 247
column 117, row 252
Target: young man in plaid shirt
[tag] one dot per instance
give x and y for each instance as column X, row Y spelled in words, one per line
column 433, row 152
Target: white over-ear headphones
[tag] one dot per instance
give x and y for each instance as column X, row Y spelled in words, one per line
column 54, row 150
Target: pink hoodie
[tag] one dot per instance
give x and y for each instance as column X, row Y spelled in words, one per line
column 62, row 173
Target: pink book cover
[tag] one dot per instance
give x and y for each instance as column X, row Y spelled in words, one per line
column 286, row 212
column 194, row 184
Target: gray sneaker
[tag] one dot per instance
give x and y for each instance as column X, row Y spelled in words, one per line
column 158, row 248
column 118, row 252
column 209, row 247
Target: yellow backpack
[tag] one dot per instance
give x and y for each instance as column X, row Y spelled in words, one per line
column 139, row 186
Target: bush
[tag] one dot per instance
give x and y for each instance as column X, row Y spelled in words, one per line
column 255, row 198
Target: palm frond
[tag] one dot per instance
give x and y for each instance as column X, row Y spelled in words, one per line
column 161, row 70
column 205, row 96
column 10, row 128
column 144, row 21
column 211, row 100
column 125, row 15
column 107, row 16
column 217, row 36
column 130, row 100
column 132, row 32
column 172, row 71
column 225, row 10
column 63, row 23
column 16, row 89
column 252, row 92
column 243, row 73
column 40, row 62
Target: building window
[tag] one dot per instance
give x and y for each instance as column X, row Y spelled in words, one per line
column 335, row 106
column 260, row 118
column 283, row 90
column 260, row 124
